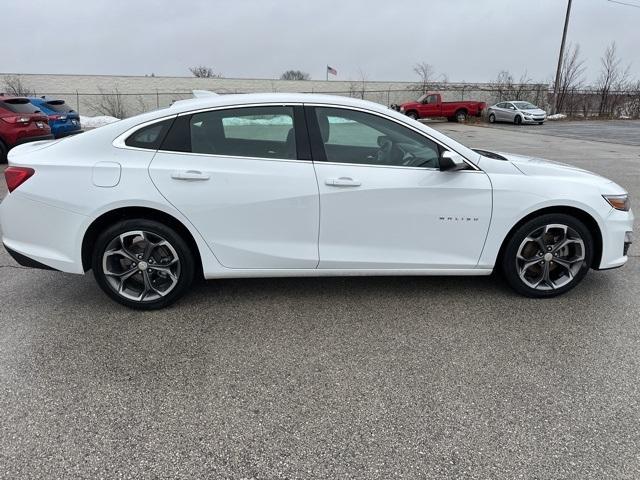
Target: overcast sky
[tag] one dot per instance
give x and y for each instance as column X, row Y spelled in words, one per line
column 469, row 40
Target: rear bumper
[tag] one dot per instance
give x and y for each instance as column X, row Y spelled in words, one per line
column 26, row 261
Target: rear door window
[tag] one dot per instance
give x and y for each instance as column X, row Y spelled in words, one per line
column 260, row 132
column 149, row 137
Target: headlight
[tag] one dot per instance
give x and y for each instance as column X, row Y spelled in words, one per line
column 619, row 202
column 402, row 109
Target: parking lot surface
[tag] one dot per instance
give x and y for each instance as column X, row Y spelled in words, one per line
column 332, row 377
column 625, row 132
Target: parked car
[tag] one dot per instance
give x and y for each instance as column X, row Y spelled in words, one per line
column 20, row 122
column 233, row 186
column 430, row 105
column 517, row 112
column 63, row 120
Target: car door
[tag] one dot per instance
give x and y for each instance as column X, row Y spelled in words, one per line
column 244, row 178
column 384, row 202
column 510, row 112
column 430, row 106
column 501, row 112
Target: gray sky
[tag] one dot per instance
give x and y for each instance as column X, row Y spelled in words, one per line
column 469, row 40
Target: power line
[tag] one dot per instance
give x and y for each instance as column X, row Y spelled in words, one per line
column 623, row 3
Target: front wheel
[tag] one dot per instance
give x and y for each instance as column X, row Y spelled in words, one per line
column 548, row 256
column 413, row 115
column 517, row 120
column 142, row 264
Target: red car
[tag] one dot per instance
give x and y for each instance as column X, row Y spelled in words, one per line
column 20, row 122
column 430, row 105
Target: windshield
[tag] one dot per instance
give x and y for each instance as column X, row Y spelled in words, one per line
column 423, row 97
column 524, row 105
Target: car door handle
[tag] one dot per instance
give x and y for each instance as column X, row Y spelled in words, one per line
column 342, row 182
column 190, row 175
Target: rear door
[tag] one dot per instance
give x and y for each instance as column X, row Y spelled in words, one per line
column 244, row 178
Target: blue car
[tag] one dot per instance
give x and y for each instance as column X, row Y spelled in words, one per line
column 63, row 120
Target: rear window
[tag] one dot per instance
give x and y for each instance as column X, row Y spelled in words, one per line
column 59, row 106
column 19, row 105
column 149, row 137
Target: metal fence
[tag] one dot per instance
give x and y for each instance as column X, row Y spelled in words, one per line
column 583, row 102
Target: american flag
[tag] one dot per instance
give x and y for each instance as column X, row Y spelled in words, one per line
column 331, row 70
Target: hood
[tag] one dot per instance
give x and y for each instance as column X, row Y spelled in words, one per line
column 534, row 111
column 540, row 167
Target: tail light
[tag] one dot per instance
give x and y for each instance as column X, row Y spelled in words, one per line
column 57, row 117
column 16, row 119
column 16, row 176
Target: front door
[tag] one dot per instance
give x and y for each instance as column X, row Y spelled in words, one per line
column 384, row 202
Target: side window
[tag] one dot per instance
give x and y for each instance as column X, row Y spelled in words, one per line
column 265, row 132
column 149, row 137
column 351, row 136
column 510, row 106
column 431, row 99
column 502, row 105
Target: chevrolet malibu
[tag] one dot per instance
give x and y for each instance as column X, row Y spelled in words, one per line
column 272, row 185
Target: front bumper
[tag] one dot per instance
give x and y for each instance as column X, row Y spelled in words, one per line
column 616, row 239
column 533, row 119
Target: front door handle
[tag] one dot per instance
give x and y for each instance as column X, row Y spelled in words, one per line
column 342, row 182
column 190, row 175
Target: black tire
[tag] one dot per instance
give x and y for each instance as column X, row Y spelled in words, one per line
column 169, row 282
column 517, row 120
column 461, row 116
column 412, row 114
column 492, row 118
column 548, row 265
column 451, row 119
column 3, row 152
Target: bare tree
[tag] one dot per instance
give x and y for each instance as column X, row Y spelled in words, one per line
column 14, row 86
column 295, row 75
column 358, row 88
column 111, row 103
column 613, row 77
column 427, row 74
column 571, row 79
column 200, row 71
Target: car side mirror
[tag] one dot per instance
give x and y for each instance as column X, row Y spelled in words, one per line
column 451, row 161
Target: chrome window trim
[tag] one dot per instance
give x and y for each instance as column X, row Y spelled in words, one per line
column 119, row 141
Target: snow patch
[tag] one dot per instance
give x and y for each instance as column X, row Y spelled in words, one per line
column 557, row 116
column 99, row 121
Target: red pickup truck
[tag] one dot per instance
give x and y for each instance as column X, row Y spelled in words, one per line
column 430, row 105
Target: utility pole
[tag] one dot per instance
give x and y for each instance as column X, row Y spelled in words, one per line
column 564, row 38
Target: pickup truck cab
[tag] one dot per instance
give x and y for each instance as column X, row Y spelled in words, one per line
column 430, row 105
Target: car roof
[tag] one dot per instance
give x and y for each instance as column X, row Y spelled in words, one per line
column 259, row 98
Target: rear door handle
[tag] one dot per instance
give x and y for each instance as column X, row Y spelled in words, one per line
column 190, row 175
column 342, row 182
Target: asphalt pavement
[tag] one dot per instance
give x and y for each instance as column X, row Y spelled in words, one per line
column 385, row 378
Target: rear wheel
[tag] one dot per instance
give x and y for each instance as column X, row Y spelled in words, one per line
column 142, row 264
column 492, row 118
column 3, row 152
column 548, row 255
column 461, row 116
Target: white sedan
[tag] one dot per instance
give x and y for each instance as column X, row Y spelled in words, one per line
column 300, row 185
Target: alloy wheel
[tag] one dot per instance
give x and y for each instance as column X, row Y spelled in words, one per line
column 141, row 266
column 550, row 257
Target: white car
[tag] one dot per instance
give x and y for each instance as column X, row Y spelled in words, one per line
column 517, row 112
column 271, row 185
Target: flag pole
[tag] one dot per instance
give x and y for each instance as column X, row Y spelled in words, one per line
column 326, row 71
